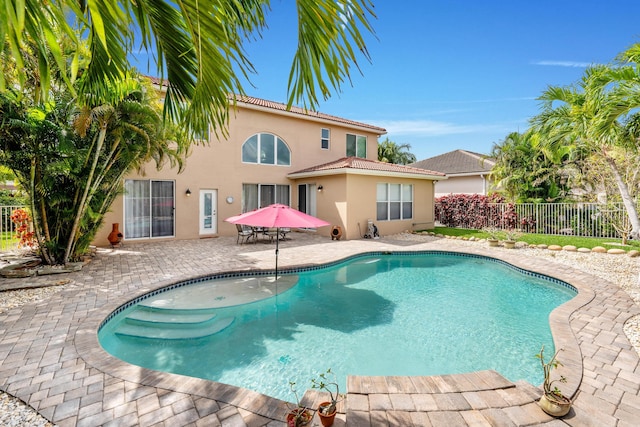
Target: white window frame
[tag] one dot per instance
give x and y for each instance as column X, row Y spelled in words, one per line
column 358, row 140
column 277, row 141
column 149, row 211
column 386, row 204
column 325, row 141
column 281, row 194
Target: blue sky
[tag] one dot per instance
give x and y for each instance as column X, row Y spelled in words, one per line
column 456, row 74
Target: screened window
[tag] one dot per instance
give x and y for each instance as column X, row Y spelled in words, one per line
column 394, row 202
column 325, row 135
column 266, row 149
column 256, row 196
column 356, row 146
column 148, row 209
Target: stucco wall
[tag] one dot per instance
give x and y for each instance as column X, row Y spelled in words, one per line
column 218, row 166
column 462, row 185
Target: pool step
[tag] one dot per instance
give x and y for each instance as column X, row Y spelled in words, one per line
column 166, row 317
column 187, row 332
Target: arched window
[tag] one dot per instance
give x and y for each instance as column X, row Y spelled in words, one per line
column 266, row 149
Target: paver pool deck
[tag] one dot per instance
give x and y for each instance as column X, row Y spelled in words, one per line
column 51, row 359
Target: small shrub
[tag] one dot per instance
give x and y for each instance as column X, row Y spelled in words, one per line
column 22, row 220
column 476, row 211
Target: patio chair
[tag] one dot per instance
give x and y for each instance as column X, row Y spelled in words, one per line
column 244, row 234
column 270, row 233
column 284, row 232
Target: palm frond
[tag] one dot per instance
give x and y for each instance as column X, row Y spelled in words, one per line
column 327, row 32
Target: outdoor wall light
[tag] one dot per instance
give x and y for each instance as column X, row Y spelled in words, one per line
column 188, row 193
column 320, row 188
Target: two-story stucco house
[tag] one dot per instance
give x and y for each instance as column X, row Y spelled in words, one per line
column 317, row 163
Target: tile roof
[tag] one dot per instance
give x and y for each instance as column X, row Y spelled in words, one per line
column 365, row 166
column 457, row 162
column 250, row 100
column 263, row 103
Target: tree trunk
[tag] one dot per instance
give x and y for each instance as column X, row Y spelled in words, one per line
column 85, row 195
column 42, row 240
column 627, row 200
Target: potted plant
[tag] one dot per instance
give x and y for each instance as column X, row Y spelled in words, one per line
column 298, row 416
column 510, row 238
column 553, row 402
column 327, row 410
column 494, row 233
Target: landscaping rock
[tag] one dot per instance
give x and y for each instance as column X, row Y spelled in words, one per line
column 16, row 271
column 634, row 253
column 554, row 247
column 616, row 251
column 57, row 269
column 19, row 266
column 542, row 246
column 569, row 248
column 584, row 250
column 599, row 249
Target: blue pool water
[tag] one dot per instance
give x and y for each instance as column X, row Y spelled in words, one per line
column 385, row 314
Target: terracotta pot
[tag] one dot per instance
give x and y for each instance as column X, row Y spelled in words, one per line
column 336, row 232
column 555, row 406
column 115, row 236
column 299, row 417
column 493, row 242
column 509, row 244
column 326, row 420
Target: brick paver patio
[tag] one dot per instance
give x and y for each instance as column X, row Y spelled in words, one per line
column 51, row 359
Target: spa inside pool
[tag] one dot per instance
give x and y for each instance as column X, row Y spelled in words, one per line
column 427, row 313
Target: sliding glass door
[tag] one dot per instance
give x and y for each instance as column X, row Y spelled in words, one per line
column 149, row 208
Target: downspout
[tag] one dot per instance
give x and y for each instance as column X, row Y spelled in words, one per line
column 484, row 185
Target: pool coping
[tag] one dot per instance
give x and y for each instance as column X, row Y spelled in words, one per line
column 89, row 349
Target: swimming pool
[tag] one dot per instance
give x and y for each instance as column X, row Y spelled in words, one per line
column 421, row 313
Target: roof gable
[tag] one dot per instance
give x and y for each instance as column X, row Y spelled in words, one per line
column 458, row 162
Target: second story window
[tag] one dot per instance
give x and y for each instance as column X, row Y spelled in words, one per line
column 266, row 149
column 356, row 146
column 324, row 138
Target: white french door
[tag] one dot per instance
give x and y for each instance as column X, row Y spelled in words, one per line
column 208, row 211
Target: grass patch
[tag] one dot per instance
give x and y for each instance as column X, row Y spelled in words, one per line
column 8, row 241
column 547, row 239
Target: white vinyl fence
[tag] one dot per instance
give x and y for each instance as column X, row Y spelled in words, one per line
column 8, row 242
column 578, row 219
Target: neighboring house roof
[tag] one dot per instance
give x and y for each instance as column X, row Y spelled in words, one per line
column 358, row 165
column 458, row 162
column 277, row 107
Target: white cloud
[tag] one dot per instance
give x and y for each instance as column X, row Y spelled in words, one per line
column 432, row 128
column 573, row 64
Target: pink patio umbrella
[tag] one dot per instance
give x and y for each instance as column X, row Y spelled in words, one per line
column 277, row 216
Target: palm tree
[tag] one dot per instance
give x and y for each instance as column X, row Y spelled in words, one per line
column 526, row 170
column 390, row 152
column 72, row 159
column 198, row 46
column 596, row 117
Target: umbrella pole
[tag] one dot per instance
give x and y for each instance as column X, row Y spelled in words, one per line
column 277, row 240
